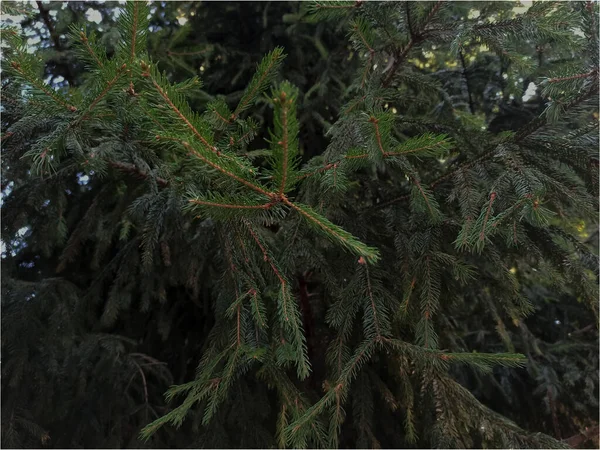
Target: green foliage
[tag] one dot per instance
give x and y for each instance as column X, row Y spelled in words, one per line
column 372, row 255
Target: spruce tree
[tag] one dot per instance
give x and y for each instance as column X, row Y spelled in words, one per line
column 397, row 287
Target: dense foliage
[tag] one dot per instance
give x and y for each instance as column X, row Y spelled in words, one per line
column 332, row 224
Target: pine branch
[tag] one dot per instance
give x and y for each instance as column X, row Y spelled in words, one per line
column 466, row 77
column 230, row 205
column 86, row 42
column 572, row 77
column 226, row 172
column 487, row 216
column 136, row 8
column 265, row 73
column 41, row 87
column 48, row 22
column 578, row 439
column 120, row 72
column 132, row 169
column 370, row 292
column 176, row 110
column 415, row 38
column 266, row 257
column 334, row 232
column 540, row 122
column 375, row 123
column 284, row 141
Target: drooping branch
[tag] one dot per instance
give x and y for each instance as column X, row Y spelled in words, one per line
column 375, row 123
column 284, row 141
column 132, row 169
column 179, row 114
column 224, row 171
column 416, row 37
column 230, row 205
column 48, row 22
column 40, row 86
column 90, row 50
column 105, row 91
column 466, row 77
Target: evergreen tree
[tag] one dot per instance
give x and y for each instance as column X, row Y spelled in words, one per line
column 394, row 277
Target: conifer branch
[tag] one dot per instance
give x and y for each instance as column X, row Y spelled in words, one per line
column 375, row 123
column 284, row 141
column 185, row 120
column 487, row 216
column 231, row 175
column 413, row 40
column 359, row 156
column 408, row 20
column 444, row 177
column 230, row 205
column 255, row 297
column 423, row 194
column 90, row 50
column 538, row 123
column 266, row 257
column 134, row 29
column 48, row 22
column 223, row 119
column 572, row 77
column 266, row 69
column 357, row 29
column 414, row 150
column 130, row 168
column 373, row 307
column 40, row 86
column 105, row 91
column 335, row 232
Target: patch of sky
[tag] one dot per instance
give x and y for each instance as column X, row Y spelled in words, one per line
column 530, row 92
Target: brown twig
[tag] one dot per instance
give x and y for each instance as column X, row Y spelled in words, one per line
column 46, row 18
column 132, row 169
column 580, row 438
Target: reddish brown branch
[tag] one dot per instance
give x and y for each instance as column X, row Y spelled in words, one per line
column 131, row 169
column 423, row 194
column 284, row 142
column 256, row 87
column 135, row 27
column 581, row 438
column 102, row 94
column 17, row 67
column 416, row 37
column 572, row 77
column 231, row 206
column 48, row 22
column 86, row 43
column 225, row 171
column 306, row 309
column 487, row 216
column 266, row 257
column 185, row 120
column 375, row 123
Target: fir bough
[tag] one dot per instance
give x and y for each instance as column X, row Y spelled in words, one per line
column 346, row 299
